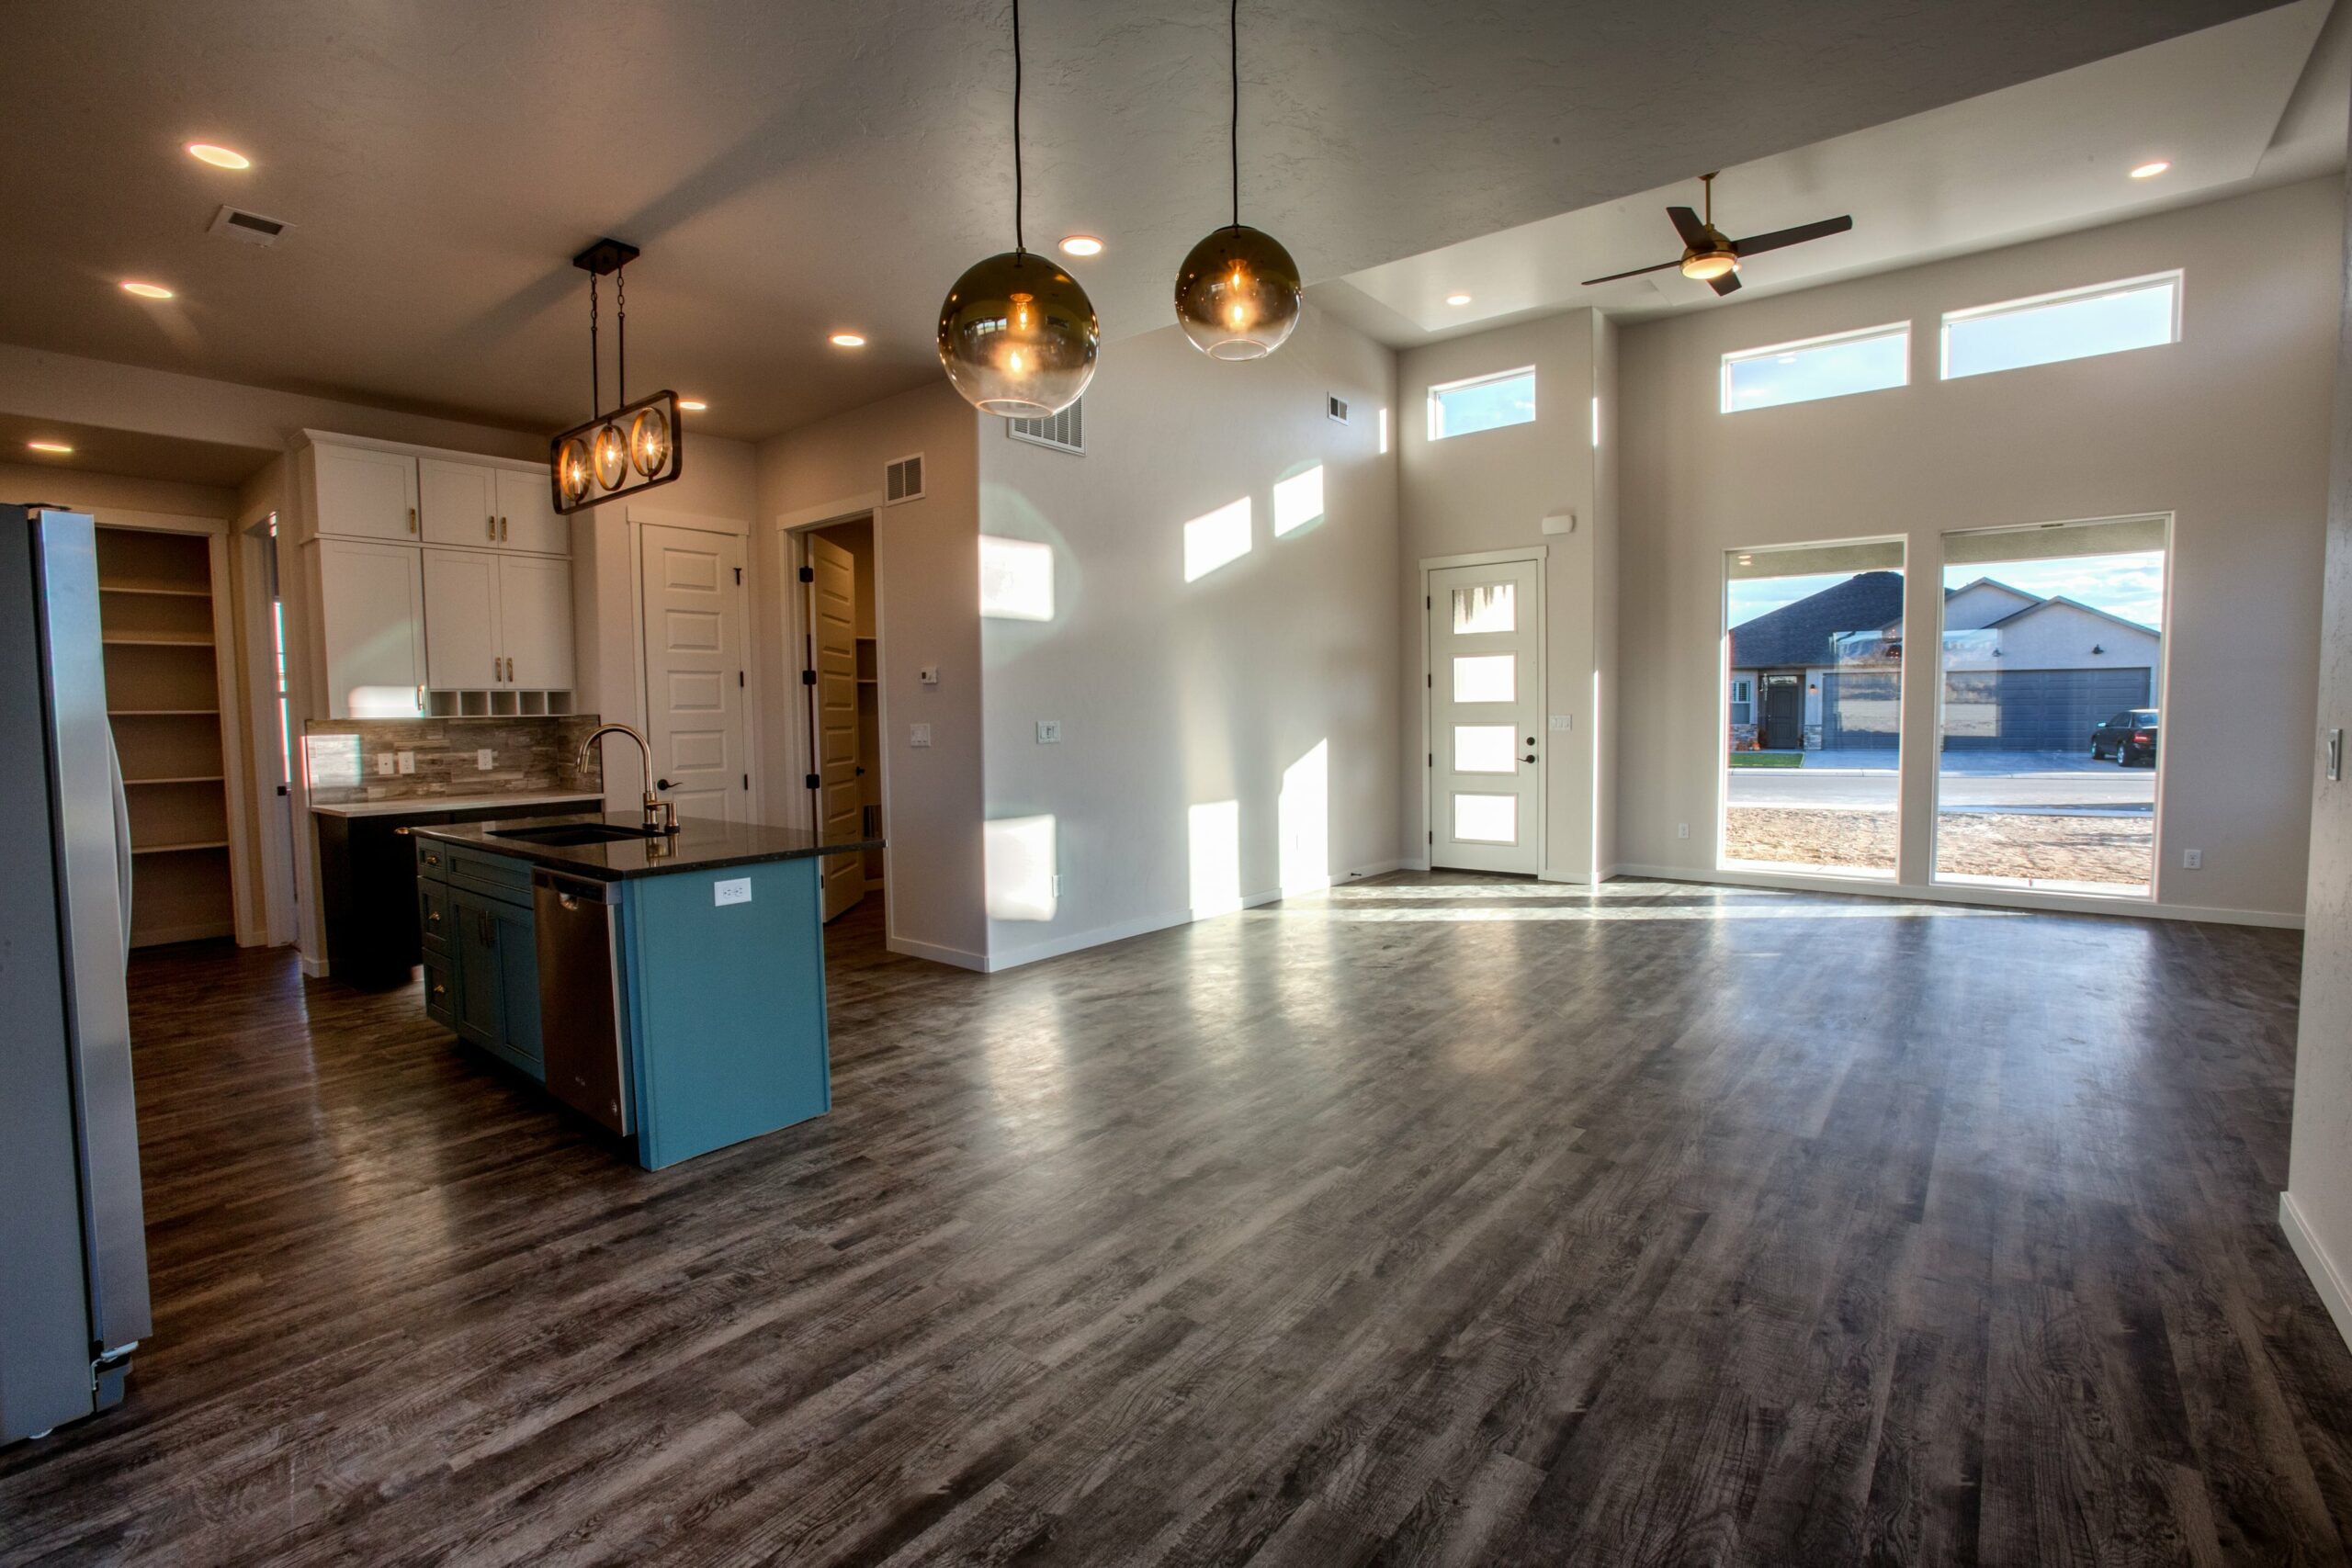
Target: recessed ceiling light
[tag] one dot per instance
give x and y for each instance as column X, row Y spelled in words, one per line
column 1081, row 245
column 2151, row 169
column 60, row 447
column 218, row 157
column 147, row 291
column 692, row 405
column 1457, row 299
column 848, row 340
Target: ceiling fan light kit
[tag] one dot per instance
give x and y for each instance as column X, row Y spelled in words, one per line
column 637, row 445
column 1712, row 256
column 1238, row 295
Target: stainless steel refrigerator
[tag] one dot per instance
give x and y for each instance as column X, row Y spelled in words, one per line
column 72, row 1242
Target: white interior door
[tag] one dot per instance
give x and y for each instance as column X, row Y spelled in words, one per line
column 695, row 668
column 461, row 627
column 535, row 621
column 1486, row 712
column 833, row 627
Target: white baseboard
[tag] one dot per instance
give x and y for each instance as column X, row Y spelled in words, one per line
column 316, row 968
column 936, row 954
column 1144, row 925
column 1378, row 868
column 2325, row 1276
column 1982, row 898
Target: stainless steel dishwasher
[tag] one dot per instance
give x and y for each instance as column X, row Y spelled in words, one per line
column 580, row 1037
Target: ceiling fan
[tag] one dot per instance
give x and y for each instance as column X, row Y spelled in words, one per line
column 1711, row 257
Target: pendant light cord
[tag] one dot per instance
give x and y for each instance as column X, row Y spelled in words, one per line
column 1020, row 239
column 1233, row 32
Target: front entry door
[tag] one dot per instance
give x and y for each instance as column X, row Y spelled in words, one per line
column 832, row 716
column 1486, row 685
column 1783, row 713
column 694, row 670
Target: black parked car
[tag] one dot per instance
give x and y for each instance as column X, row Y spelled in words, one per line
column 2130, row 736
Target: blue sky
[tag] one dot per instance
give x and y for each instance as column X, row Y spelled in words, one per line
column 2132, row 586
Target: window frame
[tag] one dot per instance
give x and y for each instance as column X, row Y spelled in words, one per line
column 1743, row 694
column 1435, row 388
column 2175, row 277
column 1724, row 404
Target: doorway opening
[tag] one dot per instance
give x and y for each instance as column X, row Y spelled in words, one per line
column 841, row 675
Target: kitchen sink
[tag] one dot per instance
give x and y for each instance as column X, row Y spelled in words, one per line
column 571, row 835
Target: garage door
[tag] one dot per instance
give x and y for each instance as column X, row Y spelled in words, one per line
column 1861, row 711
column 2036, row 710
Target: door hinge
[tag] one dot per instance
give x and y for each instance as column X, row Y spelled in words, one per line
column 747, row 781
column 739, row 678
column 807, row 677
column 813, row 780
column 1428, row 602
column 739, row 577
column 808, row 575
column 1432, row 835
column 1430, row 681
column 1432, row 761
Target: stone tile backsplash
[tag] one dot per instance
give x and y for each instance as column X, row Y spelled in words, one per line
column 528, row 755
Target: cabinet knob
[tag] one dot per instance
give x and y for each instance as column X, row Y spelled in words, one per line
column 432, row 860
column 490, row 526
column 433, row 916
column 440, row 990
column 412, row 519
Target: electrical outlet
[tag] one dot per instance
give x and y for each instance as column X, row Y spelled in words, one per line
column 384, row 764
column 2192, row 860
column 1049, row 732
column 919, row 735
column 485, row 758
column 1682, row 830
column 407, row 762
column 736, row 890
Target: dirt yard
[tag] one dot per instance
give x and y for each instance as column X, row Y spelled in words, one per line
column 2066, row 849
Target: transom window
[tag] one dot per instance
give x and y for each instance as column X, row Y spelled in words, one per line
column 1869, row 360
column 1483, row 402
column 2107, row 317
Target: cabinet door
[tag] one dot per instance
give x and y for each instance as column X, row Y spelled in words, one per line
column 365, row 494
column 457, row 502
column 481, row 982
column 518, row 971
column 461, row 646
column 372, row 602
column 528, row 519
column 535, row 621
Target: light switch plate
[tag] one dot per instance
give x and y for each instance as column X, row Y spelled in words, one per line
column 930, row 673
column 1564, row 721
column 407, row 761
column 735, row 890
column 1049, row 732
column 919, row 735
column 485, row 758
column 384, row 763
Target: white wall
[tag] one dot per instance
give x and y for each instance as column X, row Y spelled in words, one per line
column 1174, row 694
column 2317, row 1204
column 927, row 609
column 2226, row 429
column 1490, row 491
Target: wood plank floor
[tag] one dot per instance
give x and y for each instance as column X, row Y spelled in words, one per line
column 1439, row 1219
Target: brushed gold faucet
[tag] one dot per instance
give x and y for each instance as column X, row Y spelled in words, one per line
column 659, row 814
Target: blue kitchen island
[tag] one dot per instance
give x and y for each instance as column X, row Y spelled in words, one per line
column 669, row 987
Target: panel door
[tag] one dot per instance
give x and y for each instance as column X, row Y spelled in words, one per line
column 462, row 626
column 371, row 600
column 1487, row 709
column 528, row 519
column 535, row 621
column 695, row 668
column 365, row 494
column 832, row 716
column 457, row 502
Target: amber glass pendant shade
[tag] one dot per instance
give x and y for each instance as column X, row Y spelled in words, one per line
column 572, row 470
column 648, row 442
column 610, row 451
column 1018, row 337
column 1237, row 294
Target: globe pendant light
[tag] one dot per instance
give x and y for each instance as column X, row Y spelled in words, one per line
column 1017, row 335
column 1238, row 293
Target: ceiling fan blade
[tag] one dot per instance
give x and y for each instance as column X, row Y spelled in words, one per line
column 1758, row 245
column 1724, row 283
column 1687, row 224
column 1635, row 273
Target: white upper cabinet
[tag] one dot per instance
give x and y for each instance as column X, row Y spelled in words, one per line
column 457, row 502
column 371, row 603
column 365, row 494
column 461, row 646
column 526, row 513
column 535, row 621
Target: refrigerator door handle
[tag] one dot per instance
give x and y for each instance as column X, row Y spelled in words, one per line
column 121, row 839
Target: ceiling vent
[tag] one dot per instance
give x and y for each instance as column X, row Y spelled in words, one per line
column 1064, row 432
column 250, row 227
column 902, row 480
column 1336, row 406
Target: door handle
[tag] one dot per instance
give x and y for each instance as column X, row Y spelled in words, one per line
column 502, row 530
column 1529, row 758
column 490, row 526
column 412, row 519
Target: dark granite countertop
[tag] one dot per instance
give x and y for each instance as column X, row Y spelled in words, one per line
column 699, row 844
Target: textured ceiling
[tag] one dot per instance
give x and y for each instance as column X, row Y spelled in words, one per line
column 793, row 170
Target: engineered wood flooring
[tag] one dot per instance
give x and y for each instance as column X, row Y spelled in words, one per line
column 1440, row 1219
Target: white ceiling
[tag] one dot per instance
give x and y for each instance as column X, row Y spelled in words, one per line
column 2257, row 101
column 793, row 170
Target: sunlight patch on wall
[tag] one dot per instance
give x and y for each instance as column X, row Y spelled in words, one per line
column 1217, row 539
column 1016, row 580
column 1020, row 875
column 1298, row 501
column 1304, row 819
column 1215, row 828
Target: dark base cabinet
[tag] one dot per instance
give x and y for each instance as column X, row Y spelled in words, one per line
column 367, row 868
column 480, row 949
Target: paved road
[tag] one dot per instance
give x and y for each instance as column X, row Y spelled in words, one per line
column 1983, row 781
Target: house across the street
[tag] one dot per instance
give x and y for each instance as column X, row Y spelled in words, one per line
column 2021, row 672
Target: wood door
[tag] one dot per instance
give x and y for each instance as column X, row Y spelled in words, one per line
column 535, row 621
column 1486, row 691
column 461, row 622
column 363, row 493
column 457, row 504
column 695, row 668
column 832, row 716
column 371, row 600
column 527, row 515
